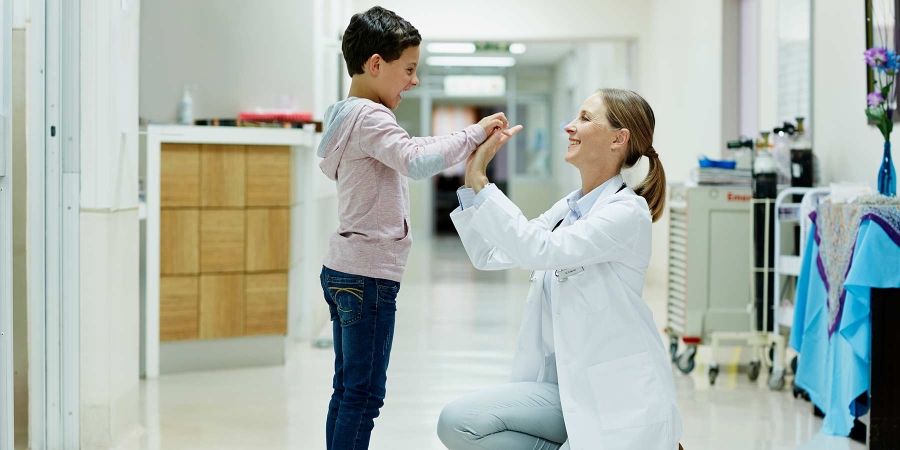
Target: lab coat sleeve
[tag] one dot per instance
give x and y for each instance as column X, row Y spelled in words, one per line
column 483, row 255
column 606, row 235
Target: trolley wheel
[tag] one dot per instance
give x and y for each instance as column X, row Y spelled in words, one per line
column 776, row 382
column 685, row 361
column 754, row 370
column 794, row 365
column 673, row 350
column 713, row 374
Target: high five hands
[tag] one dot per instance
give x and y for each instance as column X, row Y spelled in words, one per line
column 476, row 165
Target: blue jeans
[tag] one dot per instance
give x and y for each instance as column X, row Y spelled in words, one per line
column 363, row 310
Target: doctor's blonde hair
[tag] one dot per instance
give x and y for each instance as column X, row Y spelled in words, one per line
column 627, row 109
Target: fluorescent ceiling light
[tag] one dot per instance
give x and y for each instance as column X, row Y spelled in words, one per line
column 450, row 47
column 475, row 85
column 471, row 61
column 517, row 49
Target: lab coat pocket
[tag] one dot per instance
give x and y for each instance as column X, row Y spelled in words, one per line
column 582, row 293
column 627, row 392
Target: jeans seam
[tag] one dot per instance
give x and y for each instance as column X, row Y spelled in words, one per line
column 371, row 369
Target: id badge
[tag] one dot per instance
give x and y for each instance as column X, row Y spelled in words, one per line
column 564, row 274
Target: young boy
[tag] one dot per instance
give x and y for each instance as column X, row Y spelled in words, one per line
column 370, row 157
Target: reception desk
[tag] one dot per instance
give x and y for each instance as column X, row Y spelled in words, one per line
column 223, row 245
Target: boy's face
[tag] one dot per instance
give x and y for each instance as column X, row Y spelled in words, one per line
column 397, row 76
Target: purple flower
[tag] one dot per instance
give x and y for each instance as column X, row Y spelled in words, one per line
column 876, row 56
column 875, row 98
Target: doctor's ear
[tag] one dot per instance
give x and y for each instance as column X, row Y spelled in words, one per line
column 622, row 137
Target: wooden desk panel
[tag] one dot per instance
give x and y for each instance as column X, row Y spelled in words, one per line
column 268, row 176
column 266, row 304
column 268, row 240
column 223, row 176
column 180, row 176
column 221, row 306
column 179, row 240
column 179, row 308
column 222, row 241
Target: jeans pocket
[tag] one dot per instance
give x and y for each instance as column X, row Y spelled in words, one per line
column 387, row 294
column 347, row 292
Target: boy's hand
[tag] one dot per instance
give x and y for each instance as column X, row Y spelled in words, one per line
column 494, row 122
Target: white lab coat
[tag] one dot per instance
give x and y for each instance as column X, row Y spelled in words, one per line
column 615, row 379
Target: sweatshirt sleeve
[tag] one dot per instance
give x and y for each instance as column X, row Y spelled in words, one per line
column 419, row 158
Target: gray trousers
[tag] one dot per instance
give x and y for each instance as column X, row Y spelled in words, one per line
column 515, row 416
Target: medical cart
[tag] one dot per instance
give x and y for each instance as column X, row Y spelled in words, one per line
column 709, row 259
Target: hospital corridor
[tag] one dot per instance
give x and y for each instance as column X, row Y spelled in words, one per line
column 452, row 338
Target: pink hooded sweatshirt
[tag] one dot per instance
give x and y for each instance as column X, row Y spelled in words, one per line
column 370, row 157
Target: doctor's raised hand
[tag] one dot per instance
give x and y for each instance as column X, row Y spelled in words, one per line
column 590, row 370
column 476, row 165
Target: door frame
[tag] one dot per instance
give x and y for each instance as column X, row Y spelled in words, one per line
column 7, row 427
column 54, row 224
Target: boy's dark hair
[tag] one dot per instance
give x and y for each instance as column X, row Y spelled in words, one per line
column 380, row 31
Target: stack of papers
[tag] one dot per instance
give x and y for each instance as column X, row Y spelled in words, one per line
column 722, row 177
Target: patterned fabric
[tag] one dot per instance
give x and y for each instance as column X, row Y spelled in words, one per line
column 837, row 227
column 832, row 316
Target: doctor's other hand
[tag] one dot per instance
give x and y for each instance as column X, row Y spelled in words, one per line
column 476, row 165
column 494, row 122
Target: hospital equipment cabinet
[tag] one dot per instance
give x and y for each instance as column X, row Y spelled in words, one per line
column 709, row 262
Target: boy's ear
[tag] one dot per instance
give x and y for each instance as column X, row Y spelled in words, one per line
column 374, row 64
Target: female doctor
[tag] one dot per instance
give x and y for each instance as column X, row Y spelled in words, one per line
column 590, row 370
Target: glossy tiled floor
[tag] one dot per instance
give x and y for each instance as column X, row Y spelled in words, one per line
column 455, row 333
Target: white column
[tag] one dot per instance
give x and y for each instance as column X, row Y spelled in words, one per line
column 110, row 315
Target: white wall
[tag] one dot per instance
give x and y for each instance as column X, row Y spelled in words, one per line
column 768, row 64
column 109, row 222
column 682, row 79
column 848, row 148
column 681, row 76
column 532, row 20
column 241, row 55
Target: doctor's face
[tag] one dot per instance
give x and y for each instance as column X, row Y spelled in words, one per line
column 593, row 142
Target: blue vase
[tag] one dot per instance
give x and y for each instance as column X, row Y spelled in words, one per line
column 887, row 177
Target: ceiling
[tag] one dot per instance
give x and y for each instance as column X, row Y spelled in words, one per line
column 536, row 53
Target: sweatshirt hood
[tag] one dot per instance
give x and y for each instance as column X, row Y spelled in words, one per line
column 338, row 124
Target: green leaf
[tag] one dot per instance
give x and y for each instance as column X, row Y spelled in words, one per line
column 875, row 113
column 886, row 90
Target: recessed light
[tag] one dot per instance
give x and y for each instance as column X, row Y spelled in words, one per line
column 450, row 47
column 471, row 61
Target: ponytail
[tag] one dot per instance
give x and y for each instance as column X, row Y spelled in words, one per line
column 653, row 188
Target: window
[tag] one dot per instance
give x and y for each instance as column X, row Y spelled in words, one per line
column 794, row 59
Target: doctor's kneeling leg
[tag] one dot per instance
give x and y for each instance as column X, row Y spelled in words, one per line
column 513, row 416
